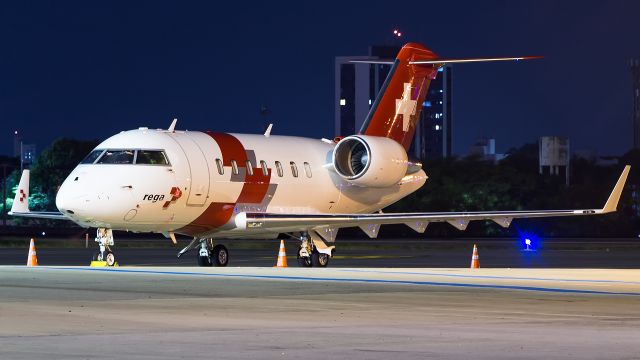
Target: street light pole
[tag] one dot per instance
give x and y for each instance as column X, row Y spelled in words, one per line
column 21, row 159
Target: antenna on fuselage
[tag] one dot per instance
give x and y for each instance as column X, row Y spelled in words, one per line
column 172, row 127
column 267, row 133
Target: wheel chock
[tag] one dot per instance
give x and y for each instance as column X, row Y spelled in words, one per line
column 96, row 263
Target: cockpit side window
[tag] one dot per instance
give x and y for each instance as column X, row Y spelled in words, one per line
column 91, row 158
column 116, row 157
column 151, row 157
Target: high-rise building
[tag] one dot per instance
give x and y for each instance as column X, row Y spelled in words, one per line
column 28, row 156
column 635, row 74
column 357, row 86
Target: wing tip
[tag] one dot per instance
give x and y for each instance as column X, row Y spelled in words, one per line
column 612, row 202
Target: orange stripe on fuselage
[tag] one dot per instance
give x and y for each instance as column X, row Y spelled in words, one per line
column 253, row 191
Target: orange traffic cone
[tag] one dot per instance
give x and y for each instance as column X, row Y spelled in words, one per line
column 32, row 260
column 475, row 259
column 282, row 256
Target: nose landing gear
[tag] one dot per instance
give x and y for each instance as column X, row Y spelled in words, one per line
column 104, row 238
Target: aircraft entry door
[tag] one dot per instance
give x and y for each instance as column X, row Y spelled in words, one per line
column 199, row 189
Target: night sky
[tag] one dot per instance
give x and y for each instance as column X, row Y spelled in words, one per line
column 89, row 69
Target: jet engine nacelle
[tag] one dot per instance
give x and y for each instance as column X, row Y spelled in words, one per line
column 370, row 160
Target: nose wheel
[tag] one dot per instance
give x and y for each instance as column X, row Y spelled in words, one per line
column 104, row 238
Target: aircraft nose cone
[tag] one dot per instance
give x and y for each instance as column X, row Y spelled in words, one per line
column 68, row 200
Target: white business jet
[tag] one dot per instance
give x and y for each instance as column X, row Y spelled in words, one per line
column 212, row 185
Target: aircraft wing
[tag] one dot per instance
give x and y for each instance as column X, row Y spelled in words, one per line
column 20, row 205
column 327, row 224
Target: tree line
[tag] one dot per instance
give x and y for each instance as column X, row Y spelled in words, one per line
column 454, row 184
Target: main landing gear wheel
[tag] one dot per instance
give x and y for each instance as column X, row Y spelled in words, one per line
column 319, row 259
column 210, row 255
column 304, row 261
column 220, row 255
column 204, row 260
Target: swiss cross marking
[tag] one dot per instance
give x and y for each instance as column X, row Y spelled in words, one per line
column 406, row 107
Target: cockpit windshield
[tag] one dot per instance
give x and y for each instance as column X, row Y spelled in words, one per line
column 117, row 157
column 127, row 156
column 91, row 158
column 151, row 157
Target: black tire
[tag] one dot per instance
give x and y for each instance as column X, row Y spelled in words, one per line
column 220, row 255
column 319, row 259
column 203, row 260
column 110, row 258
column 95, row 256
column 304, row 261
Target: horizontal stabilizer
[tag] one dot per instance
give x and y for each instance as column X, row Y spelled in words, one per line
column 470, row 60
column 380, row 62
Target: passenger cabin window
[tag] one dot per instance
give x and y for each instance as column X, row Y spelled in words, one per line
column 249, row 168
column 91, row 158
column 294, row 169
column 279, row 169
column 116, row 157
column 265, row 170
column 307, row 169
column 151, row 157
column 220, row 167
column 234, row 167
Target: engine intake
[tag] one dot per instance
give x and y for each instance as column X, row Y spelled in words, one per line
column 370, row 160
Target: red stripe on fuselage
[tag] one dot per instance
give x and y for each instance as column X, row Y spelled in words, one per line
column 253, row 191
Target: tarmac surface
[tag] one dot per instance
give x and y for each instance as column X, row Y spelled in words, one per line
column 409, row 253
column 352, row 313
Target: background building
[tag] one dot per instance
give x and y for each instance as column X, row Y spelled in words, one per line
column 357, row 86
column 554, row 156
column 28, row 155
column 635, row 75
column 485, row 149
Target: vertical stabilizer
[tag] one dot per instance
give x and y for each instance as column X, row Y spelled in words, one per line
column 397, row 107
column 21, row 200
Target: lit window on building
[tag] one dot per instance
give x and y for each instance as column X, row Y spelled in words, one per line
column 343, row 102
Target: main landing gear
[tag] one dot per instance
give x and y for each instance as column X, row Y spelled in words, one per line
column 212, row 255
column 208, row 254
column 313, row 251
column 104, row 238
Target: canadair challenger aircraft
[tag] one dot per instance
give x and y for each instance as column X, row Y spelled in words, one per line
column 217, row 185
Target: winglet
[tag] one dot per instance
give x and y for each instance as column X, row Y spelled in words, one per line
column 21, row 200
column 612, row 202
